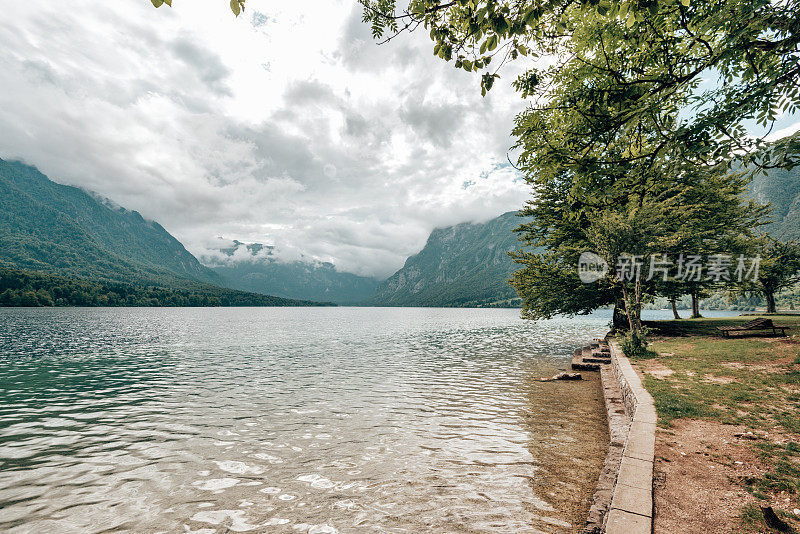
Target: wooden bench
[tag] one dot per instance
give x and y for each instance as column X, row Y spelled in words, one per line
column 755, row 326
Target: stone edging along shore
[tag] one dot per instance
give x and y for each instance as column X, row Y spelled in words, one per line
column 623, row 501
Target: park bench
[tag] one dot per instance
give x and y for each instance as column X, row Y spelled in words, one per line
column 755, row 326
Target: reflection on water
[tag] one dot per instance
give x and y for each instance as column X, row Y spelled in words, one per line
column 294, row 420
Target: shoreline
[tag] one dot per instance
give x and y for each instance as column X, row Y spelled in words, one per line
column 623, row 498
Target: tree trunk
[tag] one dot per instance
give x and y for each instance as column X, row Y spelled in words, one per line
column 629, row 309
column 695, row 306
column 674, row 303
column 637, row 304
column 770, row 301
column 619, row 320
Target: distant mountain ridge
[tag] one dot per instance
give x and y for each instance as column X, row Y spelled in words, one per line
column 462, row 265
column 307, row 280
column 63, row 230
column 781, row 189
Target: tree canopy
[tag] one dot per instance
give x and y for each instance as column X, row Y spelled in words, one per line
column 631, row 127
column 748, row 49
column 779, row 267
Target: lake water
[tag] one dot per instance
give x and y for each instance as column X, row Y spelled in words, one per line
column 305, row 420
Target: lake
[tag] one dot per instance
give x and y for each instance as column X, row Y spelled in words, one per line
column 307, row 420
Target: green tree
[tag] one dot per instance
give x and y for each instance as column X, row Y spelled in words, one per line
column 633, row 193
column 28, row 299
column 44, row 298
column 779, row 268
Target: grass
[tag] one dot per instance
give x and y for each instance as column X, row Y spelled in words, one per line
column 752, row 520
column 753, row 382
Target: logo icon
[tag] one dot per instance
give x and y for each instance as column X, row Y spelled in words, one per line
column 591, row 267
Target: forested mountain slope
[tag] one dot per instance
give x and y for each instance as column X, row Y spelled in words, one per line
column 62, row 230
column 462, row 265
column 781, row 189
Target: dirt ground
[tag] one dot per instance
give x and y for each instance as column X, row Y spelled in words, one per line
column 702, row 468
column 695, row 468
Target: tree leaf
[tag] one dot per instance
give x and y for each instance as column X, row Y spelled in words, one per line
column 235, row 7
column 157, row 3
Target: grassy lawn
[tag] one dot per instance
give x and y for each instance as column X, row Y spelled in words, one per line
column 753, row 382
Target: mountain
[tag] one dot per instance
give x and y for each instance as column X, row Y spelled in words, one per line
column 781, row 189
column 462, row 265
column 261, row 273
column 62, row 230
column 62, row 246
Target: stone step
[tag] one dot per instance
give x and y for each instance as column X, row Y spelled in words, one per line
column 596, row 360
column 581, row 365
column 586, row 359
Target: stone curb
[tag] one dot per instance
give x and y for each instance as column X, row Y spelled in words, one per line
column 631, row 509
column 618, row 426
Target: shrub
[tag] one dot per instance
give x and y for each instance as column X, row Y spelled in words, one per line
column 634, row 344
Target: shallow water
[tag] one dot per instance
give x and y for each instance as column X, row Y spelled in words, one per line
column 294, row 420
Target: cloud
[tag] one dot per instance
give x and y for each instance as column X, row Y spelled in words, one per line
column 783, row 132
column 207, row 66
column 330, row 148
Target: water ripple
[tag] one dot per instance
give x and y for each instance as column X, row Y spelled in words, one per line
column 292, row 420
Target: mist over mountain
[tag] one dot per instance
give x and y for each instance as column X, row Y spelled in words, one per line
column 62, row 246
column 254, row 267
column 65, row 231
column 57, row 229
column 462, row 265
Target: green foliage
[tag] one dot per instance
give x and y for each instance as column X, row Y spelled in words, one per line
column 20, row 288
column 779, row 267
column 616, row 198
column 669, row 47
column 549, row 286
column 237, row 6
column 780, row 264
column 634, row 344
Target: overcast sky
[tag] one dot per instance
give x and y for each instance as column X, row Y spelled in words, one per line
column 287, row 126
